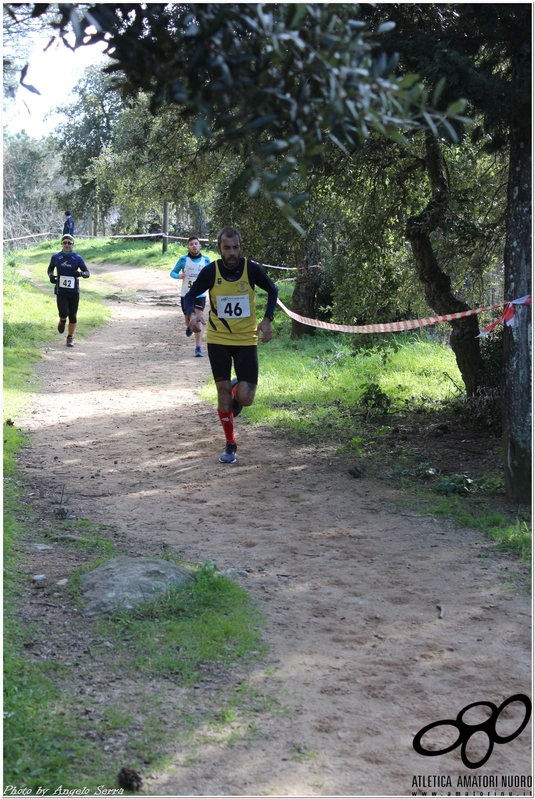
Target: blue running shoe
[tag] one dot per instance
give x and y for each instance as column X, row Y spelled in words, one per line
column 236, row 407
column 198, row 352
column 229, row 455
column 189, row 332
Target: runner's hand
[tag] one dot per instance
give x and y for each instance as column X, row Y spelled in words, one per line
column 52, row 278
column 265, row 328
column 195, row 322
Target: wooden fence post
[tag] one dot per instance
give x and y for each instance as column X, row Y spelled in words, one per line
column 165, row 226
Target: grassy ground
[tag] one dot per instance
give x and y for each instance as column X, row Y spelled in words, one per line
column 50, row 724
column 390, row 406
column 30, row 319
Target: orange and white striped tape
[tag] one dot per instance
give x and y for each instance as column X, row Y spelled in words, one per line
column 292, row 268
column 508, row 315
column 410, row 324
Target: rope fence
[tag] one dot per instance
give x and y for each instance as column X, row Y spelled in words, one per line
column 115, row 236
column 33, row 236
column 507, row 318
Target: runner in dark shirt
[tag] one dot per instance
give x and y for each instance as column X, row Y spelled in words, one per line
column 69, row 267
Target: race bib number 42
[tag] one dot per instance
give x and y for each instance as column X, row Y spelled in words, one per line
column 233, row 307
column 67, row 282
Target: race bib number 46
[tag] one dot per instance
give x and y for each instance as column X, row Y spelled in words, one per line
column 233, row 307
column 67, row 282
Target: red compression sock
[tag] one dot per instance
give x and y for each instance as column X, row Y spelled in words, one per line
column 227, row 422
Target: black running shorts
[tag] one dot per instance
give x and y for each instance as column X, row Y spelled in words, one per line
column 245, row 362
column 68, row 306
column 200, row 302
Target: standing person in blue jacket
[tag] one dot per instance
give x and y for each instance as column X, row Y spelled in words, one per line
column 187, row 269
column 69, row 267
column 232, row 331
column 68, row 225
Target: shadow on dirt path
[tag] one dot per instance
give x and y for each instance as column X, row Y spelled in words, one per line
column 347, row 574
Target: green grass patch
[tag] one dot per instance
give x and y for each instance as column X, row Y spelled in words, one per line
column 175, row 638
column 212, row 620
column 474, row 503
column 32, row 703
column 30, row 322
column 41, row 743
column 34, row 729
column 14, row 515
column 322, row 387
column 511, row 533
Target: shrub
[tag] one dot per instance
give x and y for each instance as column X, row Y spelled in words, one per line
column 492, row 354
column 484, row 410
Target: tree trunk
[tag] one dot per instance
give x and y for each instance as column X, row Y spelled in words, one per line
column 198, row 217
column 303, row 298
column 438, row 294
column 307, row 282
column 436, row 283
column 517, row 339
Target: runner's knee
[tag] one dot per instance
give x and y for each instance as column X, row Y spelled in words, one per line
column 245, row 393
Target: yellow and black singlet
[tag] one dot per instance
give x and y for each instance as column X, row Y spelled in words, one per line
column 232, row 317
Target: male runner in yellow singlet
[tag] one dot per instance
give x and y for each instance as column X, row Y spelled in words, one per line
column 231, row 331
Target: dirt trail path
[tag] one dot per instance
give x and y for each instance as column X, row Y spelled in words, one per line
column 348, row 577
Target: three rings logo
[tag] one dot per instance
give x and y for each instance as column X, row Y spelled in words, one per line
column 466, row 731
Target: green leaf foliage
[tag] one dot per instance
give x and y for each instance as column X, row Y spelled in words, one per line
column 308, row 72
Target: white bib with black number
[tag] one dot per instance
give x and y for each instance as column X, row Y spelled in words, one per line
column 191, row 273
column 233, row 307
column 67, row 282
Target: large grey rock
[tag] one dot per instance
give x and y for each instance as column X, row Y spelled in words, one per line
column 123, row 583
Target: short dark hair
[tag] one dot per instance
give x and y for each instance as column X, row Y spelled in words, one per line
column 229, row 233
column 194, row 238
column 67, row 213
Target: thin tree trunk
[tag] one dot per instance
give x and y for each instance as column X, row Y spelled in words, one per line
column 307, row 282
column 517, row 339
column 303, row 299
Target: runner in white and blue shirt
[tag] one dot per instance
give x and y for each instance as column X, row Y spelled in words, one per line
column 187, row 269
